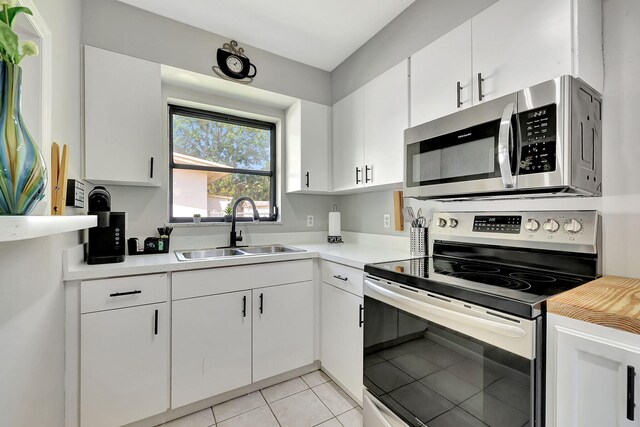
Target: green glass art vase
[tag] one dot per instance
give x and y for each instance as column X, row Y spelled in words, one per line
column 23, row 173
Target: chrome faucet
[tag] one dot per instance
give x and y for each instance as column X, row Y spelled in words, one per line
column 233, row 238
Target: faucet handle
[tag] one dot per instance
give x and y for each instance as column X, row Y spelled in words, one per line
column 239, row 236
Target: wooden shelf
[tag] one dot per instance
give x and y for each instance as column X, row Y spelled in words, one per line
column 14, row 228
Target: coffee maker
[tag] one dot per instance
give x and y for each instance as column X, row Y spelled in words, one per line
column 107, row 240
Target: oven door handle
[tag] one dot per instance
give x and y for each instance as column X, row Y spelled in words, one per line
column 504, row 136
column 495, row 327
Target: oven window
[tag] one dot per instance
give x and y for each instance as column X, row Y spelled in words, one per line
column 470, row 158
column 427, row 373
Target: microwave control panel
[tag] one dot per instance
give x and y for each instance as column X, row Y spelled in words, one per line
column 538, row 137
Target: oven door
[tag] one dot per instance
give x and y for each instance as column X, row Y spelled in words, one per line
column 431, row 359
column 470, row 152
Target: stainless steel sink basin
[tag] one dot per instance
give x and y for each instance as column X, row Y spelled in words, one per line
column 206, row 254
column 270, row 249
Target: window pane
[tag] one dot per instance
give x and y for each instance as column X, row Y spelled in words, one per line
column 207, row 142
column 209, row 193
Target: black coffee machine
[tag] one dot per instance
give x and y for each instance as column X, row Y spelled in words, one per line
column 107, row 240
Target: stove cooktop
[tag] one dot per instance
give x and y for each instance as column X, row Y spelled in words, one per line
column 515, row 290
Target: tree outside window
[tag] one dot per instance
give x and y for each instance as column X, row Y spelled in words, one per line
column 216, row 158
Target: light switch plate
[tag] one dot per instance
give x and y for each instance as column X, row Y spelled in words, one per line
column 387, row 220
column 309, row 220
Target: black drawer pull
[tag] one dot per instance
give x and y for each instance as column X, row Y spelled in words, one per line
column 151, row 170
column 368, row 169
column 361, row 315
column 122, row 294
column 261, row 303
column 244, row 306
column 358, row 171
column 480, row 89
column 155, row 324
column 459, row 89
column 307, row 179
column 631, row 392
column 339, row 277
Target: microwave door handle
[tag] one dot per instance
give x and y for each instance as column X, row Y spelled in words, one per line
column 504, row 156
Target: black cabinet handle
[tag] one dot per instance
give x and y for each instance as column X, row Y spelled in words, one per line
column 368, row 169
column 344, row 279
column 631, row 392
column 361, row 315
column 244, row 306
column 307, row 179
column 151, row 171
column 261, row 303
column 358, row 171
column 459, row 90
column 155, row 324
column 480, row 81
column 121, row 294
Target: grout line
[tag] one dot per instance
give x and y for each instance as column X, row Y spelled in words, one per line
column 274, row 415
column 214, row 416
column 320, row 399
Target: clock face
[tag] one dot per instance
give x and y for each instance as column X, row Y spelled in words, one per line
column 235, row 64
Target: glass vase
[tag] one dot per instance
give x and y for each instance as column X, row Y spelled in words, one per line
column 23, row 173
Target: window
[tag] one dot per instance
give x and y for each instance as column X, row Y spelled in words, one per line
column 216, row 158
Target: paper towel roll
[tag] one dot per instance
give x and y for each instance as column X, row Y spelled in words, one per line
column 334, row 224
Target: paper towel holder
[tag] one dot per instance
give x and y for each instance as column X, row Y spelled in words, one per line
column 334, row 239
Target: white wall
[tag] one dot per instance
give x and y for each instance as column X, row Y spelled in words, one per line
column 32, row 331
column 620, row 204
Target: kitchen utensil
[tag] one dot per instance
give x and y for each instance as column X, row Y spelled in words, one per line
column 59, row 170
column 409, row 215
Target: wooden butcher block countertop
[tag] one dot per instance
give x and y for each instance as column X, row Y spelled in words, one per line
column 609, row 301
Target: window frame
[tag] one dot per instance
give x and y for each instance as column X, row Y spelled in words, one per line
column 237, row 120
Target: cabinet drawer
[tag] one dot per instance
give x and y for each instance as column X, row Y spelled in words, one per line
column 107, row 294
column 343, row 277
column 189, row 284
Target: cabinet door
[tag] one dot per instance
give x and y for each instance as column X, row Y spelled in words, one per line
column 591, row 380
column 436, row 72
column 517, row 44
column 341, row 338
column 308, row 136
column 122, row 119
column 124, row 365
column 386, row 116
column 282, row 329
column 211, row 346
column 348, row 142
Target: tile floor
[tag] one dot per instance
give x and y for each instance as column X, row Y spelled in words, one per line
column 306, row 401
column 445, row 388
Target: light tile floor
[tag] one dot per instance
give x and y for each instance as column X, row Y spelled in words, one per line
column 306, row 401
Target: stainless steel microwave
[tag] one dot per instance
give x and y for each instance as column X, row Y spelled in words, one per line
column 543, row 140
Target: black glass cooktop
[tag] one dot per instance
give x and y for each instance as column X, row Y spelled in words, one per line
column 516, row 290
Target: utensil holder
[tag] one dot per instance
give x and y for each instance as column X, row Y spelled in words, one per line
column 418, row 238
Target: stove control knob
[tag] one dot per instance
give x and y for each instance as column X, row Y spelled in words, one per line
column 573, row 226
column 442, row 222
column 453, row 223
column 532, row 225
column 551, row 225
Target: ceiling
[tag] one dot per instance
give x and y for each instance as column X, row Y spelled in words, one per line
column 320, row 33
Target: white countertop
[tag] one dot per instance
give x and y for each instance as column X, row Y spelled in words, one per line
column 356, row 252
column 14, row 228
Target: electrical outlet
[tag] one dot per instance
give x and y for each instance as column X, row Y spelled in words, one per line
column 387, row 220
column 309, row 220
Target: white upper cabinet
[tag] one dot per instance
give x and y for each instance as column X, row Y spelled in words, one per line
column 348, row 142
column 441, row 81
column 386, row 116
column 368, row 132
column 122, row 119
column 517, row 44
column 308, row 133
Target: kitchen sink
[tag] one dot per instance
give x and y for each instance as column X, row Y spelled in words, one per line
column 270, row 249
column 206, row 254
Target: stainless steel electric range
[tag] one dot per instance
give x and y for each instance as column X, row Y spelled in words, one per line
column 458, row 338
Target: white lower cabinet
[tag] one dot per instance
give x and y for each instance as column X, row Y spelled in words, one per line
column 282, row 329
column 590, row 372
column 341, row 337
column 124, row 365
column 211, row 347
